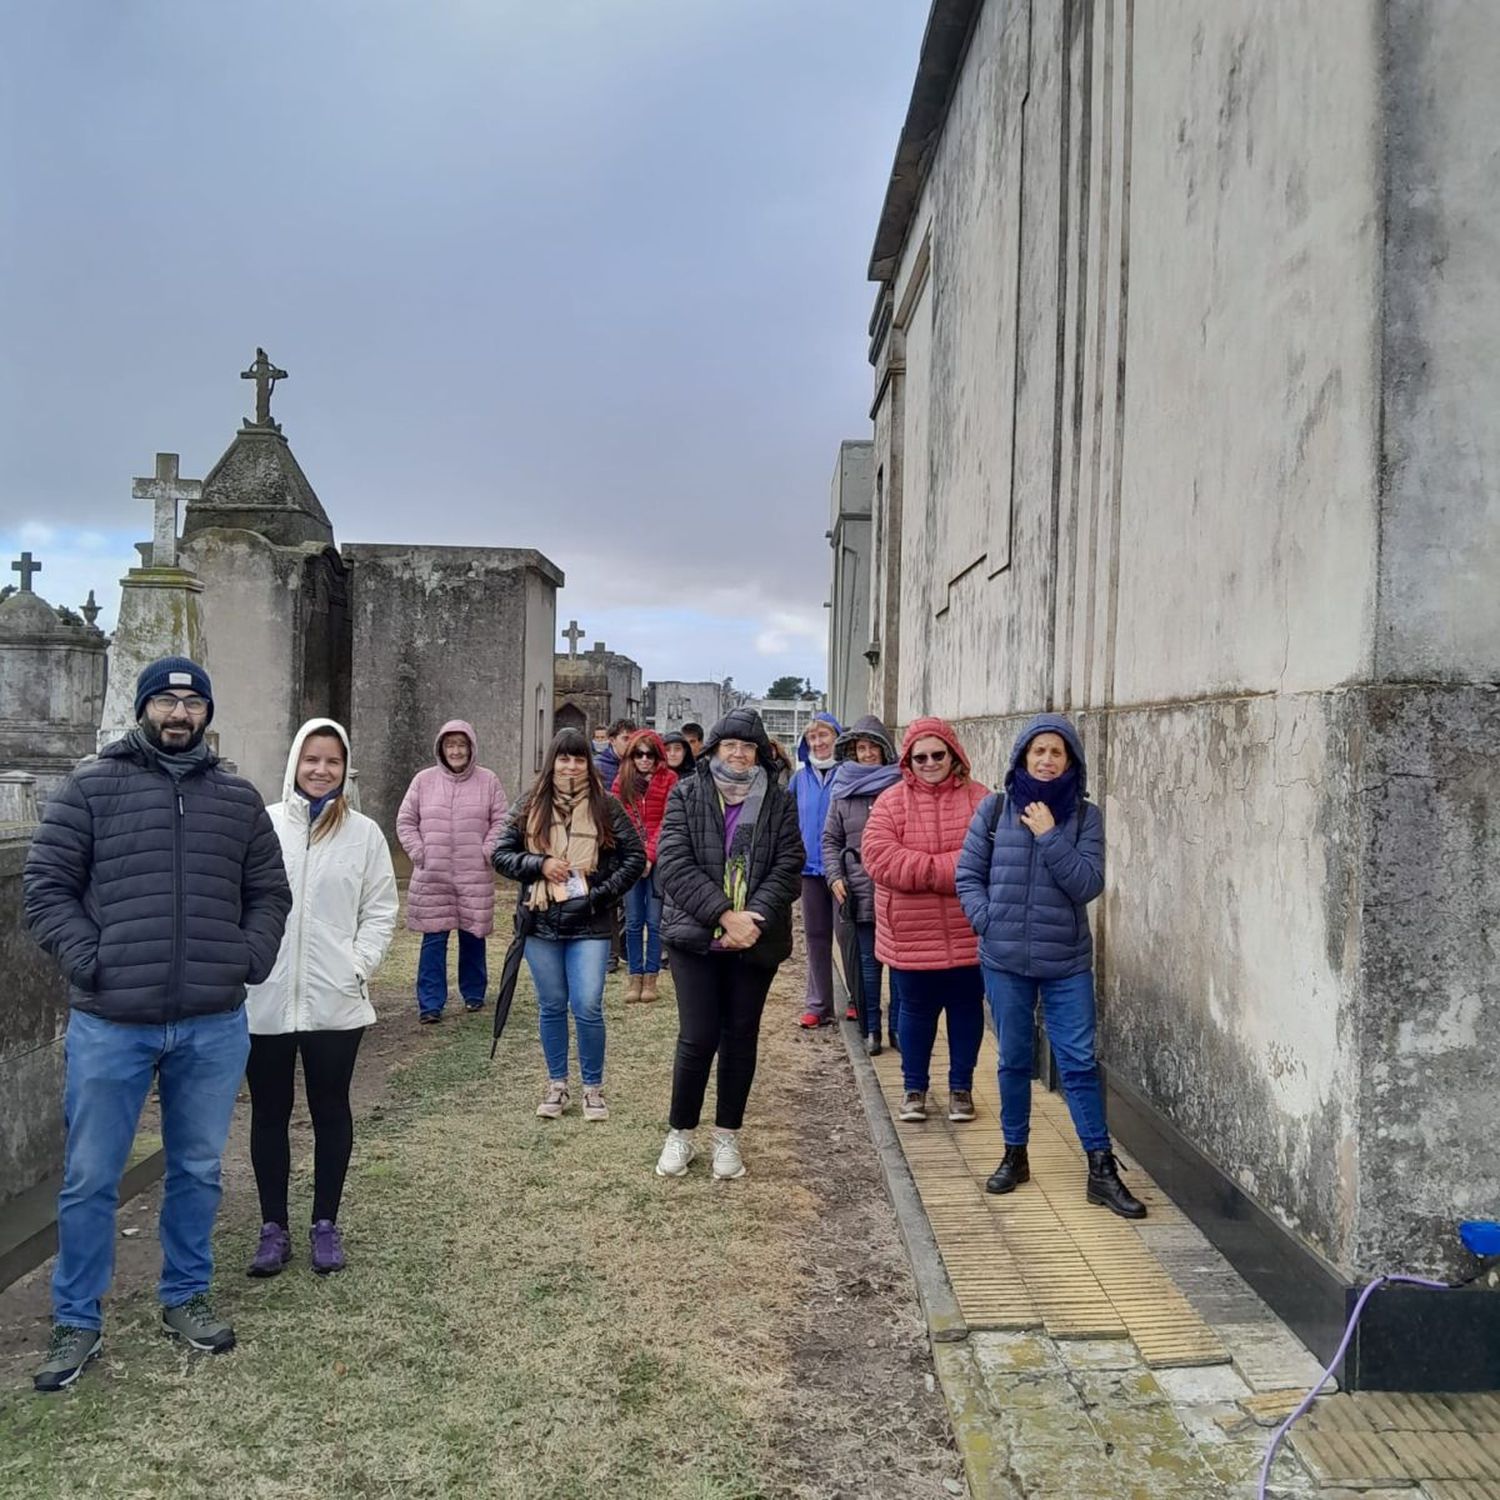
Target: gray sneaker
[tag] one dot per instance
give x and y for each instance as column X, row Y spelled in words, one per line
column 195, row 1323
column 68, row 1352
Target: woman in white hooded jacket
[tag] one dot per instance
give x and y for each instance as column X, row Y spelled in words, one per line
column 317, row 999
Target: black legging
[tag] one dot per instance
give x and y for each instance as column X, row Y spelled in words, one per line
column 720, row 997
column 327, row 1066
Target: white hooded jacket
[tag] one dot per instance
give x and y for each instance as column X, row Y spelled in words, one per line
column 343, row 915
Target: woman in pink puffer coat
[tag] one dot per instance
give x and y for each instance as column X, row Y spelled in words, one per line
column 450, row 820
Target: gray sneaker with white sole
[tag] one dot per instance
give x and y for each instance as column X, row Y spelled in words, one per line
column 196, row 1324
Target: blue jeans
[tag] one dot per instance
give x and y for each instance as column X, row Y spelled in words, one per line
column 921, row 996
column 643, row 927
column 432, row 971
column 570, row 976
column 870, row 970
column 1068, row 1014
column 200, row 1062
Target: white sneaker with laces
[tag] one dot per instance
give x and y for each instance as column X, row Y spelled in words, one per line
column 554, row 1101
column 676, row 1154
column 594, row 1107
column 728, row 1163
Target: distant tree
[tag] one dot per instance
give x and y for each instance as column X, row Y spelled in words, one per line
column 786, row 687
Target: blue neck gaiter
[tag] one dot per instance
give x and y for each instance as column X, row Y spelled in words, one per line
column 1060, row 794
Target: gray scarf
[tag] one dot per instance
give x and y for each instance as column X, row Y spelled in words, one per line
column 747, row 787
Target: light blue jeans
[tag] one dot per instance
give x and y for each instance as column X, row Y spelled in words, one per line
column 570, row 976
column 200, row 1062
column 643, row 927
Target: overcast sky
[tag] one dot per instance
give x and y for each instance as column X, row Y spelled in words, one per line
column 581, row 275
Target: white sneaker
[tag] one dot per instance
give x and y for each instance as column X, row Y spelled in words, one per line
column 554, row 1101
column 676, row 1154
column 728, row 1163
column 594, row 1107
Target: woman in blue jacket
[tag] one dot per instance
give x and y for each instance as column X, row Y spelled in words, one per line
column 1032, row 862
column 812, row 786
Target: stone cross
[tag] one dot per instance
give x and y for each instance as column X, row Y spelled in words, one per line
column 25, row 567
column 89, row 609
column 165, row 489
column 573, row 635
column 265, row 375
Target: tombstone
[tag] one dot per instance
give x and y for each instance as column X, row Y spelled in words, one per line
column 18, row 801
column 52, row 684
column 161, row 612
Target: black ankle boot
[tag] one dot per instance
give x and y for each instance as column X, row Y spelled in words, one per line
column 1106, row 1188
column 1014, row 1169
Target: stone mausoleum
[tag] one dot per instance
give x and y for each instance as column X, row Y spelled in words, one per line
column 1184, row 424
column 594, row 687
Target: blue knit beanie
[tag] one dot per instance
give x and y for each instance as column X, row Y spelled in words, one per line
column 173, row 672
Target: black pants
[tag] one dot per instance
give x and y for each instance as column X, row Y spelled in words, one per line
column 720, row 997
column 327, row 1066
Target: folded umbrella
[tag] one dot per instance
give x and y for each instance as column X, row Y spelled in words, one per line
column 848, row 938
column 510, row 971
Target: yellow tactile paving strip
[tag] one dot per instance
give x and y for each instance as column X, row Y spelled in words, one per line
column 1041, row 1257
column 1451, row 1444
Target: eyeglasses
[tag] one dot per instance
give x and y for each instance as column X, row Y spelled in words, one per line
column 937, row 757
column 166, row 703
column 643, row 755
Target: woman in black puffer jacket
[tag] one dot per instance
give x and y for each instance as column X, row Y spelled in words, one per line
column 729, row 866
column 575, row 852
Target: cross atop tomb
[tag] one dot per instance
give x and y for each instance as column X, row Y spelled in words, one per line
column 573, row 635
column 25, row 567
column 265, row 375
column 165, row 489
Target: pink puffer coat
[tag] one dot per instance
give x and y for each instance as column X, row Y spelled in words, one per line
column 911, row 847
column 449, row 823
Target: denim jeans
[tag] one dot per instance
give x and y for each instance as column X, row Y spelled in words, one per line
column 1068, row 1014
column 200, row 1062
column 870, row 970
column 432, row 971
column 643, row 927
column 570, row 976
column 922, row 995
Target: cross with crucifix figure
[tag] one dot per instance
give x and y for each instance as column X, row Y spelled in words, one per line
column 265, row 375
column 165, row 489
column 25, row 567
column 573, row 635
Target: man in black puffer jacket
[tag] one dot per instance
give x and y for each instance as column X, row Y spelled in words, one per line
column 156, row 881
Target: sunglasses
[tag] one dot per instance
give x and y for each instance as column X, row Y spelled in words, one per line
column 643, row 755
column 937, row 757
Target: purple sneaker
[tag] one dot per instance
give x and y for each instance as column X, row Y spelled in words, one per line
column 327, row 1247
column 272, row 1253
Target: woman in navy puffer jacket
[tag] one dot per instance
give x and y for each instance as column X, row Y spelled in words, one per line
column 1032, row 862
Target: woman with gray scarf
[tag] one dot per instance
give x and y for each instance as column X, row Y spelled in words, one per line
column 866, row 766
column 728, row 865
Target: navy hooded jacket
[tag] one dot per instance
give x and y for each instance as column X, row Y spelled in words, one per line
column 1026, row 896
column 813, row 790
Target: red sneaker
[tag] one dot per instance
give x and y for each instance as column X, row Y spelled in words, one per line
column 850, row 1013
column 809, row 1020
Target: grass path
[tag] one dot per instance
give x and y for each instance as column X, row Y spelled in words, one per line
column 529, row 1311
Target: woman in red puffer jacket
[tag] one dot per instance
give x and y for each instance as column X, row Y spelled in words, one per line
column 911, row 848
column 643, row 785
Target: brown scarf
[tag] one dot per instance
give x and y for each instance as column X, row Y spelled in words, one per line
column 572, row 837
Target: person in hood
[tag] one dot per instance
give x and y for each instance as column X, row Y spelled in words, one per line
column 643, row 786
column 575, row 852
column 866, row 767
column 911, row 848
column 1032, row 862
column 728, row 863
column 155, row 880
column 449, row 824
column 316, row 1001
column 679, row 753
column 812, row 787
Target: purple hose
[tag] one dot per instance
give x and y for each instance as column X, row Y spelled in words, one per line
column 1338, row 1354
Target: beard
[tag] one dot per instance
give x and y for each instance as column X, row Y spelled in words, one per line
column 181, row 739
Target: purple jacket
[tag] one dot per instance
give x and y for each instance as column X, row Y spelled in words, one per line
column 449, row 824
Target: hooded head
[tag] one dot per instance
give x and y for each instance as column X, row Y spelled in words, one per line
column 313, row 787
column 1049, row 724
column 457, row 726
column 931, row 726
column 740, row 724
column 675, row 737
column 868, row 728
column 804, row 754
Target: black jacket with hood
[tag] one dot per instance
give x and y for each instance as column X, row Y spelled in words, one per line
column 160, row 898
column 690, row 854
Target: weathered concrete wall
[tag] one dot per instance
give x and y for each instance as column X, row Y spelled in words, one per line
column 277, row 643
column 671, row 704
column 1246, row 293
column 850, row 501
column 443, row 633
column 33, row 1017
